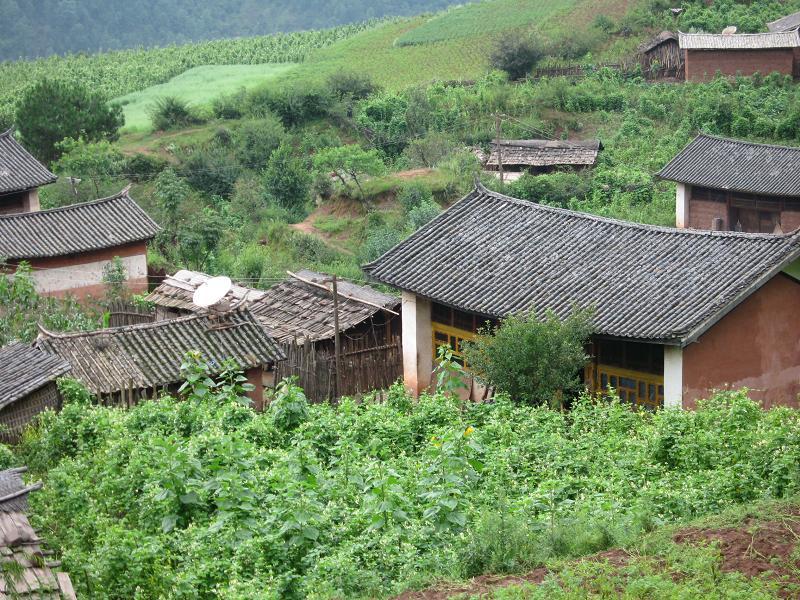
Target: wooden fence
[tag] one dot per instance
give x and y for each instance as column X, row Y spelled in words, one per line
column 628, row 69
column 123, row 313
column 363, row 368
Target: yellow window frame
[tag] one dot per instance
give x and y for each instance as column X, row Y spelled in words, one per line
column 636, row 387
column 453, row 336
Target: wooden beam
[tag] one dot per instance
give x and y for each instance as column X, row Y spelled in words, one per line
column 345, row 296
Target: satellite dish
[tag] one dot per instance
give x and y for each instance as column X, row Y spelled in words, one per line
column 212, row 291
column 729, row 30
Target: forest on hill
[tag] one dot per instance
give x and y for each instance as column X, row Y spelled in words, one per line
column 44, row 27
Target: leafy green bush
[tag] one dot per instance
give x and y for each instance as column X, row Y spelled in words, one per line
column 211, row 170
column 170, row 112
column 141, row 167
column 422, row 214
column 379, row 240
column 413, row 194
column 516, row 55
column 286, row 180
column 255, row 140
column 294, row 104
column 230, row 106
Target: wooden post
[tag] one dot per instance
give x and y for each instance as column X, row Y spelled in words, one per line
column 337, row 349
column 497, row 128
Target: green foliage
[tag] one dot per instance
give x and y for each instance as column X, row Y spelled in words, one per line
column 349, row 163
column 516, row 56
column 144, row 167
column 533, row 358
column 414, row 194
column 114, row 277
column 255, row 140
column 295, row 104
column 347, row 86
column 169, row 112
column 288, row 407
column 97, row 162
column 52, row 110
column 429, row 151
column 211, row 170
column 379, row 240
column 286, row 180
column 556, row 189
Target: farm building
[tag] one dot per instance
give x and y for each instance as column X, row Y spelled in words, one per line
column 298, row 309
column 21, row 176
column 28, row 572
column 27, row 386
column 678, row 312
column 787, row 23
column 121, row 365
column 735, row 185
column 68, row 248
column 662, row 53
column 542, row 156
column 739, row 54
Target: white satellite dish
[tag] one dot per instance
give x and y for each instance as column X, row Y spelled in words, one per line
column 729, row 30
column 212, row 291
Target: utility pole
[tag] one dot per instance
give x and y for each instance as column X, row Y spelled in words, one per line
column 336, row 347
column 497, row 128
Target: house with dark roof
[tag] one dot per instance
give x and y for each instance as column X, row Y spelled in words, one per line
column 541, row 156
column 28, row 569
column 787, row 23
column 21, row 176
column 736, row 185
column 121, row 365
column 739, row 54
column 677, row 312
column 27, row 386
column 299, row 309
column 68, row 248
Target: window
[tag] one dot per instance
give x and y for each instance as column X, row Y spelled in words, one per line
column 453, row 327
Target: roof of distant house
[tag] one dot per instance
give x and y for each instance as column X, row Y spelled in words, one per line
column 19, row 170
column 494, row 255
column 24, row 369
column 787, row 23
column 36, row 575
column 738, row 41
column 176, row 292
column 736, row 165
column 664, row 36
column 150, row 355
column 546, row 153
column 77, row 228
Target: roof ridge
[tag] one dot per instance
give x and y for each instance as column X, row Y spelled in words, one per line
column 632, row 224
column 7, row 132
column 745, row 142
column 761, row 33
column 124, row 193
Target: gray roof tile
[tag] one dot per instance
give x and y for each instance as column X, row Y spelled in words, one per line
column 494, row 255
column 738, row 41
column 19, row 170
column 787, row 23
column 24, row 369
column 545, row 153
column 736, row 165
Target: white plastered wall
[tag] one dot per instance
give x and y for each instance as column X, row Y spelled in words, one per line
column 74, row 277
column 682, row 195
column 673, row 377
column 417, row 343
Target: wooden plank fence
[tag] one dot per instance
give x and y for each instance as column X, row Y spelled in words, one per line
column 123, row 313
column 364, row 368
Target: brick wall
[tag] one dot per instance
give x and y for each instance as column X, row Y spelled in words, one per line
column 702, row 65
column 703, row 212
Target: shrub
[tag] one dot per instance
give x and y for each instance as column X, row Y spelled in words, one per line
column 211, row 170
column 379, row 241
column 169, row 112
column 556, row 189
column 286, row 179
column 422, row 214
column 255, row 140
column 413, row 194
column 144, row 167
column 430, row 150
column 350, row 85
column 349, row 163
column 516, row 55
column 230, row 106
column 294, row 104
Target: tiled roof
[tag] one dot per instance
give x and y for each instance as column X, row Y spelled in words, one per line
column 24, row 369
column 662, row 37
column 150, row 355
column 19, row 170
column 544, row 153
column 738, row 41
column 95, row 225
column 787, row 23
column 35, row 575
column 295, row 310
column 736, row 165
column 494, row 255
column 176, row 292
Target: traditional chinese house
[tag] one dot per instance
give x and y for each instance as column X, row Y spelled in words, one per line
column 21, row 176
column 678, row 312
column 69, row 248
column 122, row 365
column 739, row 54
column 542, row 156
column 735, row 185
column 787, row 23
column 27, row 386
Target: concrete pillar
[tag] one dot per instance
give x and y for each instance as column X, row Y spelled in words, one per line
column 32, row 202
column 417, row 343
column 673, row 377
column 682, row 196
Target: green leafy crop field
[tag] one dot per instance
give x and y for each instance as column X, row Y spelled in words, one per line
column 196, row 86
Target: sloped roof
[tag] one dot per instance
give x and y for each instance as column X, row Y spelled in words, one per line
column 296, row 310
column 662, row 37
column 494, row 255
column 84, row 227
column 545, row 153
column 787, row 23
column 150, row 355
column 36, row 575
column 738, row 41
column 19, row 170
column 176, row 292
column 24, row 369
column 736, row 165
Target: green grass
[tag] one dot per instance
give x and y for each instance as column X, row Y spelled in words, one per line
column 197, row 86
column 477, row 20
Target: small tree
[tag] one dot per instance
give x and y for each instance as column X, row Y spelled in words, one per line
column 98, row 162
column 51, row 110
column 533, row 359
column 286, row 179
column 349, row 161
column 114, row 277
column 255, row 140
column 516, row 56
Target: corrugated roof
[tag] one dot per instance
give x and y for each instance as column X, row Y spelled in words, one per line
column 738, row 41
column 24, row 369
column 787, row 23
column 545, row 153
column 736, row 165
column 176, row 292
column 494, row 255
column 95, row 225
column 150, row 355
column 19, row 170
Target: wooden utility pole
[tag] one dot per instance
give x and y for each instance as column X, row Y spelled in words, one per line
column 497, row 129
column 336, row 347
